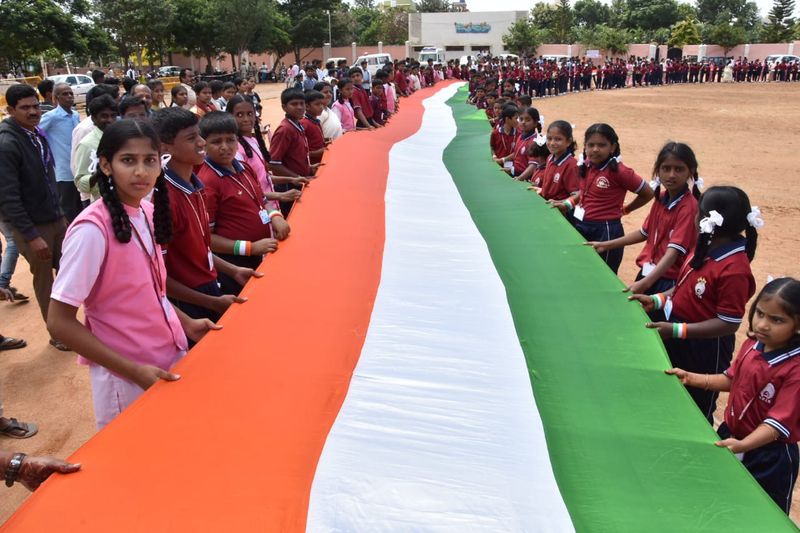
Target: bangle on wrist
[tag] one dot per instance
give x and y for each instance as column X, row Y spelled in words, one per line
column 275, row 213
column 680, row 330
column 12, row 470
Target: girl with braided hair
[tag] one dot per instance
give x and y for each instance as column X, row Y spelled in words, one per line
column 112, row 265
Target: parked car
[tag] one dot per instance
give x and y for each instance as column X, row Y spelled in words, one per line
column 168, row 71
column 374, row 62
column 80, row 83
column 777, row 58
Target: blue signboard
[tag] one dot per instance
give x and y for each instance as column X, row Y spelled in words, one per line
column 469, row 27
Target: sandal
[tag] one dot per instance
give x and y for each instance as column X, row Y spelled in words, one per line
column 18, row 296
column 18, row 430
column 10, row 343
column 59, row 345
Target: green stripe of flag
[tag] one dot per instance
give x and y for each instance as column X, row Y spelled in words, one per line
column 629, row 450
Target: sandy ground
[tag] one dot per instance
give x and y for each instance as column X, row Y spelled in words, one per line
column 745, row 135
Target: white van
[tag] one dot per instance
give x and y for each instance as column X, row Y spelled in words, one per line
column 431, row 52
column 374, row 61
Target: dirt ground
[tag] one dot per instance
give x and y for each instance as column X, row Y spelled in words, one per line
column 745, row 135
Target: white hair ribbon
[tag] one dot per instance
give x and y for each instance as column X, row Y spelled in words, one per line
column 573, row 126
column 707, row 224
column 754, row 217
column 700, row 182
column 93, row 162
column 580, row 160
column 541, row 120
column 165, row 159
column 540, row 139
column 655, row 182
column 770, row 278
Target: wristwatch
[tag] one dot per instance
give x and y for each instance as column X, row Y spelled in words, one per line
column 12, row 470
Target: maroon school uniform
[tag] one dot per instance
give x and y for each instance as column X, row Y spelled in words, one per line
column 502, row 143
column 289, row 147
column 234, row 201
column 603, row 190
column 523, row 144
column 669, row 225
column 361, row 99
column 187, row 257
column 560, row 178
column 765, row 390
column 720, row 288
column 538, row 173
column 313, row 132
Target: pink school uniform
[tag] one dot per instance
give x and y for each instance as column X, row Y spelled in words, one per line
column 258, row 165
column 122, row 287
column 391, row 97
column 344, row 110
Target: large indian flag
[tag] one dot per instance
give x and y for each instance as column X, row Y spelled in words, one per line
column 432, row 350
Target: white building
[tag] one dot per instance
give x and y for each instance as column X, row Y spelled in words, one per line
column 461, row 34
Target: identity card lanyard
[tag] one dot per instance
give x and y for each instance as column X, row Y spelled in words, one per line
column 200, row 223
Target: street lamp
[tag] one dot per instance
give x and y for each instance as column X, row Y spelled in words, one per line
column 328, row 11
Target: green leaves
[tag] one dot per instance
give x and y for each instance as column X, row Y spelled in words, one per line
column 523, row 37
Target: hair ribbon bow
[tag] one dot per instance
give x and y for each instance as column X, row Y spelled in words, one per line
column 714, row 219
column 754, row 217
column 540, row 139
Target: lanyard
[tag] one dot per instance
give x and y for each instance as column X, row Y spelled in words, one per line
column 250, row 190
column 197, row 215
column 155, row 266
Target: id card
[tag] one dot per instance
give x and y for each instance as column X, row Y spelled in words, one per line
column 264, row 215
column 579, row 213
column 508, row 164
column 647, row 268
column 668, row 308
column 210, row 260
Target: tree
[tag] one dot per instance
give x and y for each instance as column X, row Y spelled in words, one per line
column 135, row 24
column 726, row 33
column 432, row 6
column 304, row 17
column 780, row 25
column 554, row 21
column 684, row 32
column 28, row 28
column 606, row 38
column 590, row 13
column 651, row 15
column 619, row 13
column 195, row 29
column 390, row 26
column 522, row 38
column 564, row 18
column 744, row 11
column 250, row 26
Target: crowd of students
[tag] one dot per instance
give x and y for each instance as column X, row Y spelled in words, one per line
column 694, row 276
column 154, row 215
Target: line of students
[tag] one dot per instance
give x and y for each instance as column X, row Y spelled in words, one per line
column 694, row 277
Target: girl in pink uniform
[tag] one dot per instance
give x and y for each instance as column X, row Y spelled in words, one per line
column 112, row 266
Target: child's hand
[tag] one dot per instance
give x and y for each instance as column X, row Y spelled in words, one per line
column 664, row 328
column 538, row 190
column 734, row 445
column 637, row 287
column 291, row 195
column 222, row 303
column 558, row 204
column 280, row 228
column 301, row 180
column 196, row 329
column 264, row 246
column 600, row 248
column 644, row 299
column 680, row 373
column 242, row 275
column 507, row 171
column 146, row 375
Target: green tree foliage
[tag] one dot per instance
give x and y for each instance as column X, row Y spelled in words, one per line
column 651, row 15
column 135, row 24
column 726, row 33
column 195, row 28
column 522, row 37
column 554, row 21
column 432, row 6
column 389, row 26
column 31, row 27
column 590, row 13
column 603, row 37
column 307, row 22
column 564, row 20
column 685, row 32
column 781, row 23
column 250, row 25
column 745, row 12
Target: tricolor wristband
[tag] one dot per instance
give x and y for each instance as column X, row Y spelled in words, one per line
column 568, row 205
column 658, row 301
column 242, row 247
column 680, row 330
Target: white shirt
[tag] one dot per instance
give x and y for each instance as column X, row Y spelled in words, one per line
column 331, row 125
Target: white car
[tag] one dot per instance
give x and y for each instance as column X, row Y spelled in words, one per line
column 777, row 58
column 80, row 83
column 374, row 62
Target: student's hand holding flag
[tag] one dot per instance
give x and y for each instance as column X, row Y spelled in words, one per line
column 242, row 275
column 291, row 195
column 264, row 246
column 280, row 228
column 223, row 302
column 196, row 329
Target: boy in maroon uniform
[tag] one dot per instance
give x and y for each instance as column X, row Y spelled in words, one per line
column 360, row 100
column 315, row 104
column 289, row 152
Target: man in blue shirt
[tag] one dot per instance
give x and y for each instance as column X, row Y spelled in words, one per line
column 57, row 125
